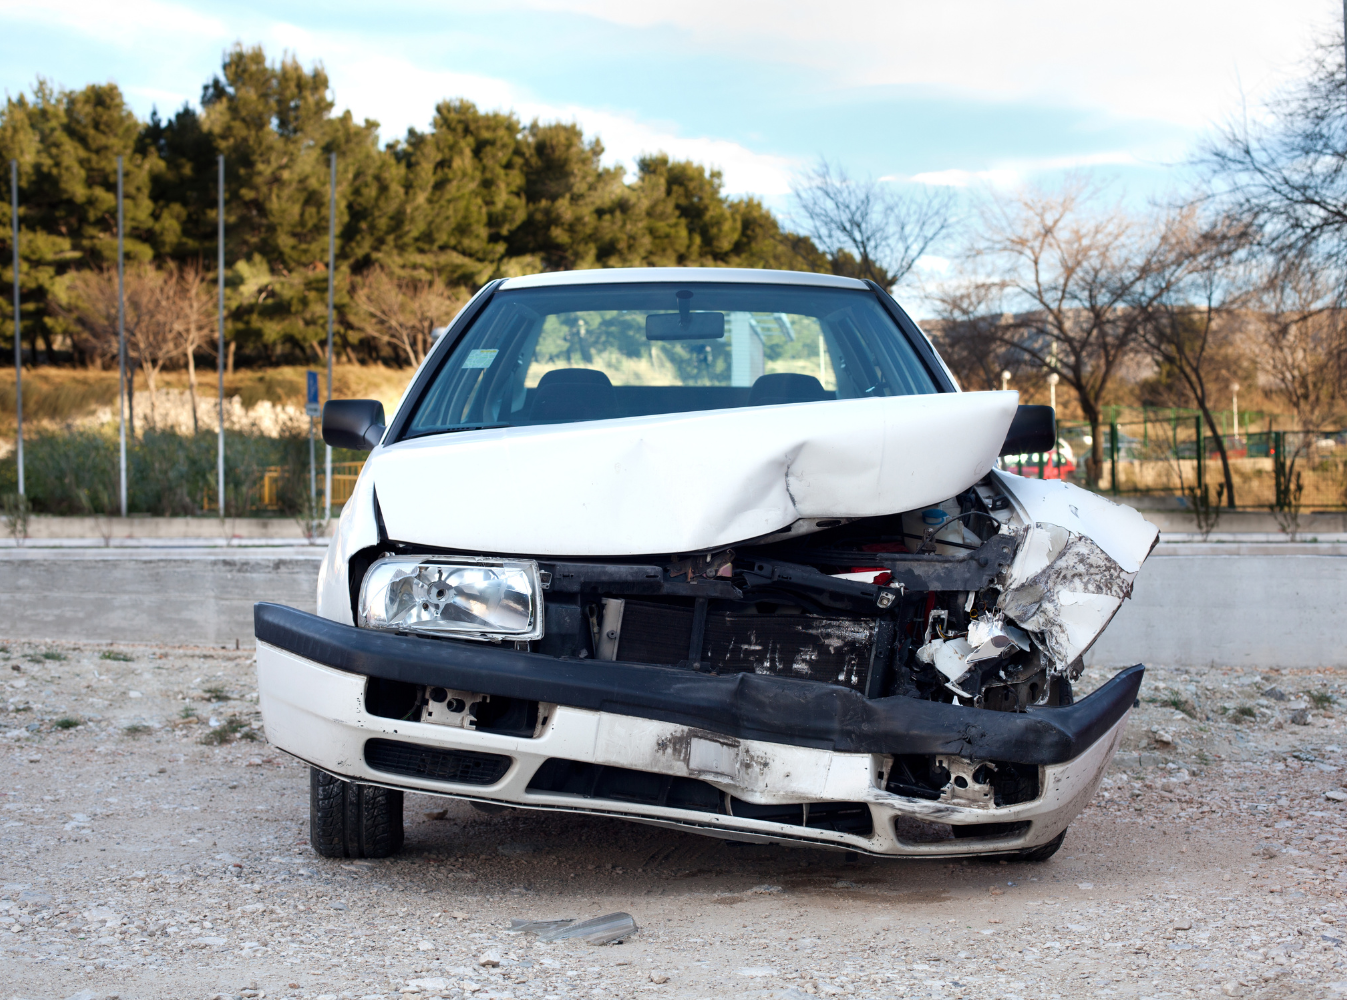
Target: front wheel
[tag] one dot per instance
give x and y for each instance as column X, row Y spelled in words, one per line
column 1043, row 851
column 350, row 820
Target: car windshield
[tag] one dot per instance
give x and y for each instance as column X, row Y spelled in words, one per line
column 600, row 351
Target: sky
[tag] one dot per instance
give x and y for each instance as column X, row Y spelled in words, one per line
column 965, row 93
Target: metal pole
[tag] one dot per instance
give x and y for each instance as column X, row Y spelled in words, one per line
column 331, row 279
column 1201, row 454
column 313, row 479
column 121, row 338
column 220, row 348
column 1113, row 455
column 18, row 342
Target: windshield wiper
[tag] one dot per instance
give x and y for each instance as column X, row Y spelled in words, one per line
column 475, row 427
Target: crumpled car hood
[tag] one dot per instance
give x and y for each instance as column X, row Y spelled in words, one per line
column 688, row 481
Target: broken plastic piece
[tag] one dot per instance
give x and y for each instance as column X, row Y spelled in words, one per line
column 947, row 656
column 597, row 930
column 993, row 638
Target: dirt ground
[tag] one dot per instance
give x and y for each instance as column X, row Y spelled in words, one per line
column 146, row 852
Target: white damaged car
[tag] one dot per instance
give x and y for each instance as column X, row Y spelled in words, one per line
column 725, row 551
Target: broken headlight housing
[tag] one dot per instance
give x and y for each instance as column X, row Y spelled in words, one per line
column 460, row 596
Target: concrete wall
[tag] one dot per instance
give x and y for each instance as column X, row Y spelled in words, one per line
column 1277, row 605
column 113, row 529
column 1274, row 605
column 179, row 596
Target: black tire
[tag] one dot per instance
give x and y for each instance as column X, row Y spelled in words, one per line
column 1043, row 851
column 350, row 820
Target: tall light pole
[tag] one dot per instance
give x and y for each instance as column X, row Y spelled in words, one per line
column 1005, row 380
column 1234, row 386
column 121, row 339
column 1053, row 379
column 220, row 347
column 18, row 342
column 331, row 279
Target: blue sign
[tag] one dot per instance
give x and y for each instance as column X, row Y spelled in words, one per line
column 311, row 406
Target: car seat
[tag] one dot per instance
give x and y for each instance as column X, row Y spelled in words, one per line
column 573, row 394
column 787, row 387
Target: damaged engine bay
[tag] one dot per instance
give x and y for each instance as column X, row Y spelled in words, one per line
column 958, row 604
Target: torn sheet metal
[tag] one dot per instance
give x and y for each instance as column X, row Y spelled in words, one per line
column 1074, row 566
column 685, row 482
column 1121, row 532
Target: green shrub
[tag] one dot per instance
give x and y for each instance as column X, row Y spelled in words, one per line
column 76, row 472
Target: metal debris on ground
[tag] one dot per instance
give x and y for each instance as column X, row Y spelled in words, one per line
column 596, row 930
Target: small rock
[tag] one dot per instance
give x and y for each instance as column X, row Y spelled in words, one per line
column 1162, row 736
column 1232, row 988
column 424, row 946
column 1183, row 925
column 755, row 972
column 337, row 905
column 437, row 814
column 489, row 959
column 1300, row 717
column 1336, row 795
column 434, row 984
column 1275, row 693
column 766, row 889
column 659, row 978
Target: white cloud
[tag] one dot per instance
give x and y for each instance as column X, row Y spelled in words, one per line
column 400, row 94
column 1178, row 62
column 385, row 84
column 1015, row 172
column 124, row 22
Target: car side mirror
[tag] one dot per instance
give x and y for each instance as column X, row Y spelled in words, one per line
column 1034, row 429
column 357, row 424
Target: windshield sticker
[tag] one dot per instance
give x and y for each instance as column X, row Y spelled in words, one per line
column 480, row 358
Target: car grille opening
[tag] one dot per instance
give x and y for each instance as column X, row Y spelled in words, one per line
column 462, row 767
column 835, row 650
column 621, row 784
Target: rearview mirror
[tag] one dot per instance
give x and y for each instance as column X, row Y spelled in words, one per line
column 685, row 326
column 1034, row 429
column 357, row 424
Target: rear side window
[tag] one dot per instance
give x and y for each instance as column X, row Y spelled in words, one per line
column 598, row 352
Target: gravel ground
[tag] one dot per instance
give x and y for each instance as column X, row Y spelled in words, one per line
column 146, row 852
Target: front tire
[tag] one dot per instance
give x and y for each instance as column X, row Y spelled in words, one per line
column 351, row 820
column 1043, row 851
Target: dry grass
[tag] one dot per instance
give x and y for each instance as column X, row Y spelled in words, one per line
column 55, row 396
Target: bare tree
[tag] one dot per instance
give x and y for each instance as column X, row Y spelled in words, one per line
column 971, row 340
column 1302, row 339
column 402, row 311
column 192, row 313
column 1067, row 282
column 153, row 328
column 1191, row 311
column 1286, row 173
column 885, row 231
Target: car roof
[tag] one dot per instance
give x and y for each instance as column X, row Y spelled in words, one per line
column 729, row 275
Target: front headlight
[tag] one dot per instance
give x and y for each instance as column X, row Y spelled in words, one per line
column 462, row 596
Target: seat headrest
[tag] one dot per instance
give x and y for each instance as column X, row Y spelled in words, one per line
column 787, row 387
column 566, row 394
column 571, row 376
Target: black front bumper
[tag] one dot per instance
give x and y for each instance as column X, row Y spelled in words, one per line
column 745, row 706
